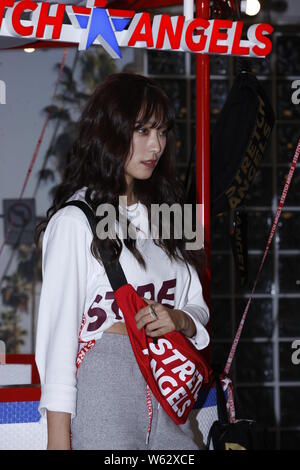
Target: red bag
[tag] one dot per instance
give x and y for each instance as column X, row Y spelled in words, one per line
column 173, row 368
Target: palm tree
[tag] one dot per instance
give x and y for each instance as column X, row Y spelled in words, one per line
column 11, row 332
column 16, row 292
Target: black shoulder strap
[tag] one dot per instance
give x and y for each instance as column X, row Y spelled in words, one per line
column 221, row 400
column 86, row 209
column 113, row 270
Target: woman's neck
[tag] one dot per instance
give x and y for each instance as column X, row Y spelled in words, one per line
column 131, row 198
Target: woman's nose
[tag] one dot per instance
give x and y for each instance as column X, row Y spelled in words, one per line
column 154, row 141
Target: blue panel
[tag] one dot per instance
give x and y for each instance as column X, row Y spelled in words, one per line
column 83, row 21
column 19, row 412
column 120, row 23
column 207, row 397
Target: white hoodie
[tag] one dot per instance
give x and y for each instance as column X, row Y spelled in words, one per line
column 77, row 304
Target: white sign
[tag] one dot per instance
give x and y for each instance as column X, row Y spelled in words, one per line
column 113, row 29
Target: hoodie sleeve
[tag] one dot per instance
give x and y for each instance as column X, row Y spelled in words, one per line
column 62, row 301
column 197, row 309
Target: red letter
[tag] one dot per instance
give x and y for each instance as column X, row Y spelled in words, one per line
column 96, row 312
column 236, row 48
column 3, row 4
column 163, row 293
column 145, row 21
column 16, row 16
column 114, row 306
column 167, row 27
column 261, row 28
column 196, row 46
column 141, row 290
column 56, row 20
column 217, row 35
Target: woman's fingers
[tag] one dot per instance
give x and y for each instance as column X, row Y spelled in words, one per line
column 160, row 327
column 159, row 332
column 143, row 317
column 165, row 322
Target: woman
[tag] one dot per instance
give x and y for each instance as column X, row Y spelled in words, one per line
column 125, row 146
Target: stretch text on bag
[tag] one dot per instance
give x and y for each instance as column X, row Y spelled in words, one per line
column 186, row 374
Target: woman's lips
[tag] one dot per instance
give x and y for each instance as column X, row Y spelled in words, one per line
column 150, row 163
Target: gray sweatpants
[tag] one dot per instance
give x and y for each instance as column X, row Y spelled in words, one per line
column 112, row 410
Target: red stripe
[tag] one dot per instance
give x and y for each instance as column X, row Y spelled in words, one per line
column 150, row 411
column 88, row 345
column 231, row 403
column 20, row 394
column 82, row 10
column 122, row 13
column 203, row 160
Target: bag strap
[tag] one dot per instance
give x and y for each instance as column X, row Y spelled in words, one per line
column 271, row 235
column 113, row 269
column 221, row 400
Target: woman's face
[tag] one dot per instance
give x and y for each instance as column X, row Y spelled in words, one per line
column 147, row 146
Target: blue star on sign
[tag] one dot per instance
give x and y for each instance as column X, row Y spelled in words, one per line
column 100, row 25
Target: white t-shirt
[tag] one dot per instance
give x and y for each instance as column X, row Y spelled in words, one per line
column 77, row 302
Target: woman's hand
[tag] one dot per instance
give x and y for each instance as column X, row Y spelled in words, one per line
column 168, row 320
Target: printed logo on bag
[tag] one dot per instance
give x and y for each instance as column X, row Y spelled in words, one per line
column 178, row 379
column 253, row 156
column 95, row 25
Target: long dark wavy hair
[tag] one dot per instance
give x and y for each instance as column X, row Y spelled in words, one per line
column 98, row 158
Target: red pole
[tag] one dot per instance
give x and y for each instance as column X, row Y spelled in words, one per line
column 203, row 144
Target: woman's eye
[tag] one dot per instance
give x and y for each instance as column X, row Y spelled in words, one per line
column 145, row 131
column 142, row 130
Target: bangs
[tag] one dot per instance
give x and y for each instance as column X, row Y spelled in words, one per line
column 156, row 107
